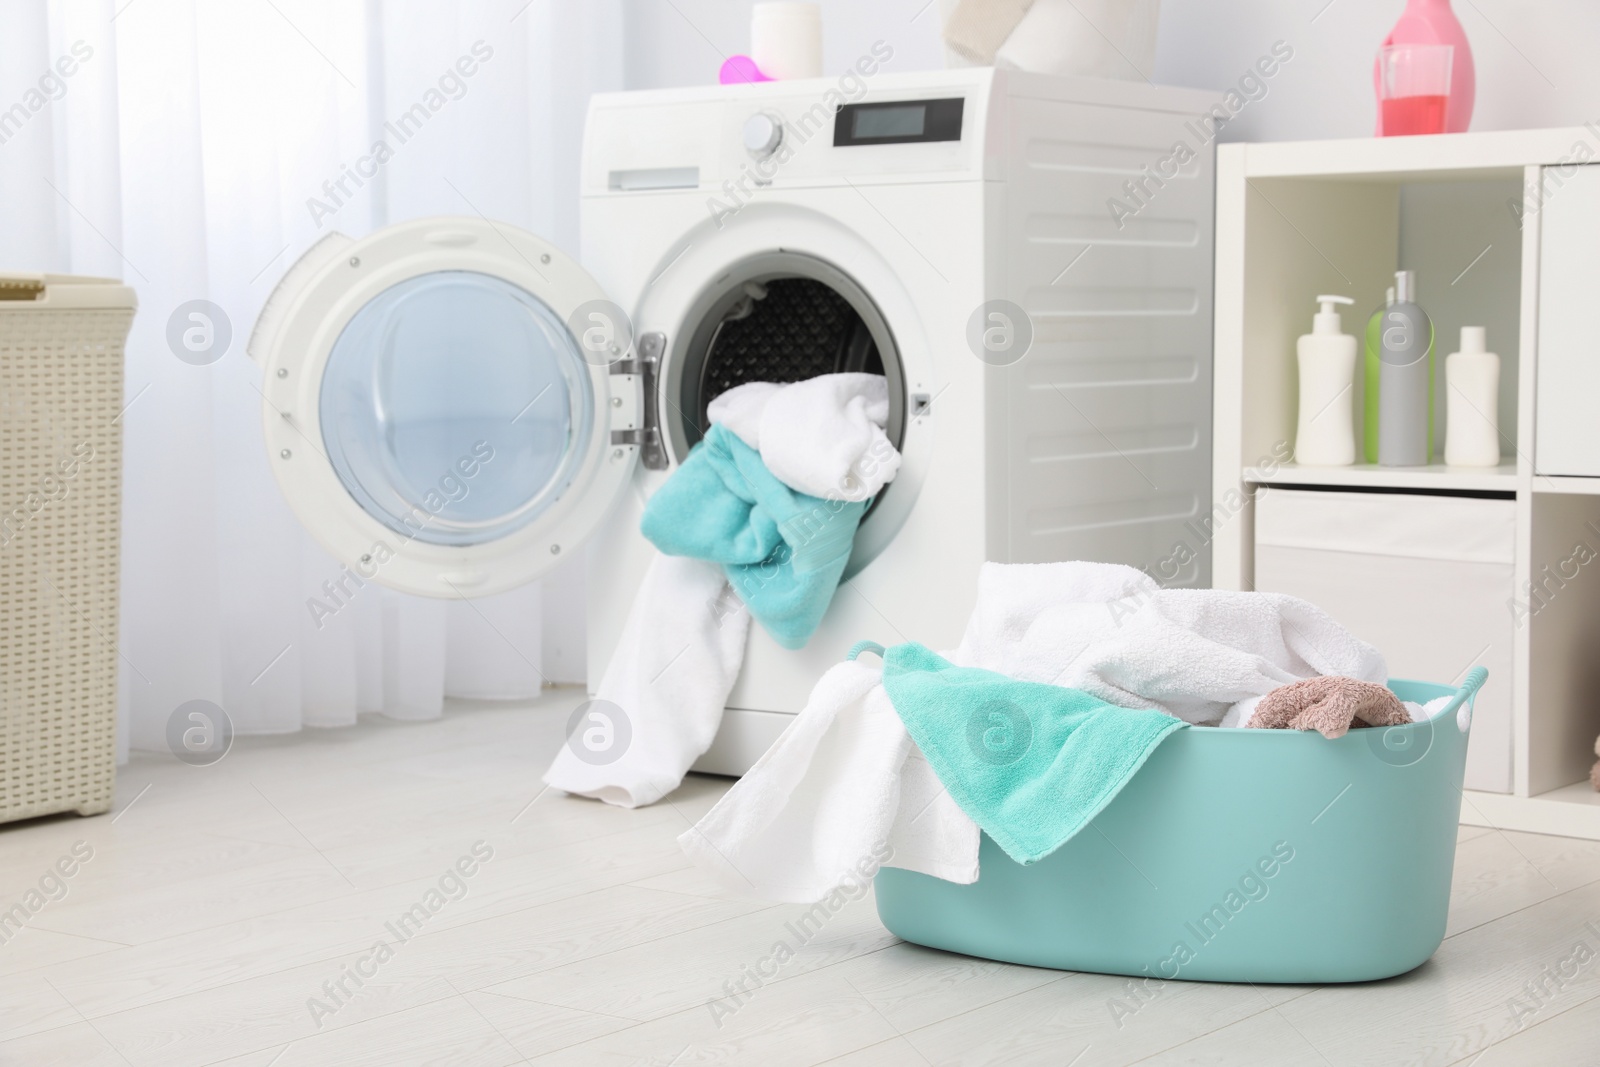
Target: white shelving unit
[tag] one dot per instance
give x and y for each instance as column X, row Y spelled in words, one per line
column 1465, row 211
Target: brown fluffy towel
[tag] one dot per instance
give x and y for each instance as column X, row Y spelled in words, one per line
column 1331, row 705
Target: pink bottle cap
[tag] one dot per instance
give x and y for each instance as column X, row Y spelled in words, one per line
column 740, row 70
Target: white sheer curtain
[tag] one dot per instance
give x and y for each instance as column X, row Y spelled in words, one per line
column 194, row 150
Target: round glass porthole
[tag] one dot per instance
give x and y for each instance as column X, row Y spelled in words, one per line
column 456, row 408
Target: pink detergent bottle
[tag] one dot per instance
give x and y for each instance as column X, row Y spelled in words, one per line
column 1432, row 22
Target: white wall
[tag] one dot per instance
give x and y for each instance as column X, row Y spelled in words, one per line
column 683, row 42
column 1534, row 59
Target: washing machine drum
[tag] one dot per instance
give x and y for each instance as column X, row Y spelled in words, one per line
column 450, row 405
column 784, row 330
column 776, row 317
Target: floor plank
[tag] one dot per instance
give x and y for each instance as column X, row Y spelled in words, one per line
column 75, row 1043
column 294, row 1004
column 1473, row 994
column 1501, row 872
column 807, row 1020
column 701, row 966
column 445, row 1033
column 1099, row 1019
column 1567, row 1038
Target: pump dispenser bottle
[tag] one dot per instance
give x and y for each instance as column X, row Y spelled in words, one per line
column 1405, row 379
column 1472, row 402
column 1327, row 356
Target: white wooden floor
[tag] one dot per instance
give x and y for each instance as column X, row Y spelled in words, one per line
column 220, row 901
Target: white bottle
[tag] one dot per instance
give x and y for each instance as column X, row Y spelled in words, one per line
column 1472, row 405
column 1326, row 436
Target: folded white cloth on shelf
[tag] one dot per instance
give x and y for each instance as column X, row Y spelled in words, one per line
column 845, row 779
column 660, row 701
column 823, row 436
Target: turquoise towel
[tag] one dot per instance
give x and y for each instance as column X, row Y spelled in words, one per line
column 1030, row 763
column 784, row 552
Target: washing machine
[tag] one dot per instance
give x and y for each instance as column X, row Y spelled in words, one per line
column 453, row 406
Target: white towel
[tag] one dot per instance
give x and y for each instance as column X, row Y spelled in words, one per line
column 1240, row 713
column 664, row 689
column 834, row 789
column 740, row 410
column 823, row 436
column 1114, row 633
column 819, row 801
column 1424, row 712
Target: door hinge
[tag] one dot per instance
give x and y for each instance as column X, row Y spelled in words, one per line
column 645, row 363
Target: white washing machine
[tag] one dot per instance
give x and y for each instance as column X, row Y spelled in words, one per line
column 453, row 406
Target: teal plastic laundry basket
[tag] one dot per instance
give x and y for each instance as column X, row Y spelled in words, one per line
column 1232, row 856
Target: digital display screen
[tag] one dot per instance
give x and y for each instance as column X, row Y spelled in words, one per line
column 898, row 120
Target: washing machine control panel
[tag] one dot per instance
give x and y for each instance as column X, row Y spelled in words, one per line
column 763, row 133
column 898, row 122
column 807, row 133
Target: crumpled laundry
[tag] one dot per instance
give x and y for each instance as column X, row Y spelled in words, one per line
column 1330, row 705
column 806, row 813
column 1114, row 633
column 737, row 541
column 784, row 552
column 1030, row 763
column 823, row 436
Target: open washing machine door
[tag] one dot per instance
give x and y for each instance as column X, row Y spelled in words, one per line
column 451, row 405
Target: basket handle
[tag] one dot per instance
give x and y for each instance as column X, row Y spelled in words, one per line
column 864, row 646
column 1464, row 695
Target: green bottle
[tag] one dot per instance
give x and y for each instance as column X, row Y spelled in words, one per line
column 1370, row 367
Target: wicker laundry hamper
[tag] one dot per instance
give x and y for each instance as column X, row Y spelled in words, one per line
column 61, row 344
